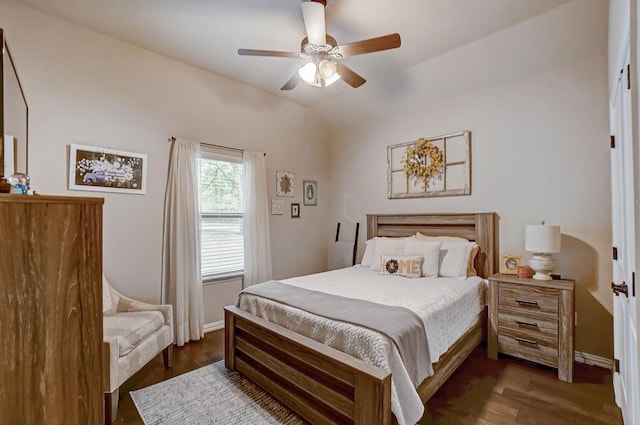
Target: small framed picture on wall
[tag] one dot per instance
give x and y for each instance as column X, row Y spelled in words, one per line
column 284, row 183
column 295, row 210
column 277, row 207
column 310, row 193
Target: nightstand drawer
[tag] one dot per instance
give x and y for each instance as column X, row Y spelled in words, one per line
column 535, row 326
column 528, row 348
column 538, row 300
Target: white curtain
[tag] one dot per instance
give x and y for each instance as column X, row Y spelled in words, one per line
column 181, row 278
column 257, row 237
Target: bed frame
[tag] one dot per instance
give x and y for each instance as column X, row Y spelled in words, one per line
column 324, row 385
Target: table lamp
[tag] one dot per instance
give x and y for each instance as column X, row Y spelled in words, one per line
column 542, row 240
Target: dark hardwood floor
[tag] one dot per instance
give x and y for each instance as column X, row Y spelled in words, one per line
column 482, row 391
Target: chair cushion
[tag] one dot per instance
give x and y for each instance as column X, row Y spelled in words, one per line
column 132, row 327
column 107, row 303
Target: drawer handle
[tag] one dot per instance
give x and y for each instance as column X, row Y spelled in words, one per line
column 520, row 322
column 526, row 341
column 527, row 303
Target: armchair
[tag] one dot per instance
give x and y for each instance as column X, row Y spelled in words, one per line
column 134, row 333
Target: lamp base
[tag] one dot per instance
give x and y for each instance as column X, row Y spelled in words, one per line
column 542, row 264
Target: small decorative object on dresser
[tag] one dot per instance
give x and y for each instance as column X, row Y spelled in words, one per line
column 533, row 320
column 524, row 271
column 509, row 264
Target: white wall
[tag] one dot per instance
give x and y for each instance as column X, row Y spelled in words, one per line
column 619, row 12
column 539, row 151
column 83, row 87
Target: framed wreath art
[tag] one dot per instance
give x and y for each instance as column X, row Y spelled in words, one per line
column 436, row 166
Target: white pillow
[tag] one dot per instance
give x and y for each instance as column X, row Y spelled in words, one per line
column 391, row 246
column 369, row 252
column 454, row 259
column 401, row 265
column 471, row 267
column 428, row 250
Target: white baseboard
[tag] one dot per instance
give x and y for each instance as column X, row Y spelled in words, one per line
column 210, row 327
column 593, row 360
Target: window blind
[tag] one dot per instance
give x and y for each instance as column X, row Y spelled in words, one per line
column 221, row 229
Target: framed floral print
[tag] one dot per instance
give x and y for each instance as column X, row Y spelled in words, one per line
column 107, row 170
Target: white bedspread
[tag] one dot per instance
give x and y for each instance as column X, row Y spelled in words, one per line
column 448, row 307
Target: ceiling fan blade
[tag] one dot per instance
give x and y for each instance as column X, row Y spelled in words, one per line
column 293, row 81
column 377, row 44
column 313, row 15
column 253, row 52
column 349, row 76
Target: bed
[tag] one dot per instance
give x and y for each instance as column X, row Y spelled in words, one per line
column 325, row 385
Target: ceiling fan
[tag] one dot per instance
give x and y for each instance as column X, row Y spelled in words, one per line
column 322, row 53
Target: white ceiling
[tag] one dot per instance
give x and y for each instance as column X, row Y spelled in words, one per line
column 208, row 33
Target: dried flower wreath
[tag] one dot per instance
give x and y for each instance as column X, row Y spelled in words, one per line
column 423, row 161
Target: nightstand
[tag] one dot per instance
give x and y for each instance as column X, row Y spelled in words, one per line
column 534, row 320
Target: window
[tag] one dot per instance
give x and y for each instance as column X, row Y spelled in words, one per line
column 221, row 237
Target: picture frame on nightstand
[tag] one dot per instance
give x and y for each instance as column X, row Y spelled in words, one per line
column 509, row 264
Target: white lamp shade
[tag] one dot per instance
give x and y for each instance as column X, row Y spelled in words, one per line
column 542, row 238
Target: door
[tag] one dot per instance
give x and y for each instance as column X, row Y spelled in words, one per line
column 623, row 231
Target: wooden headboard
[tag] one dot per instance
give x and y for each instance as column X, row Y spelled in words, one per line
column 479, row 227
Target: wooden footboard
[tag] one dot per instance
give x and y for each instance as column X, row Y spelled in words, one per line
column 449, row 361
column 321, row 384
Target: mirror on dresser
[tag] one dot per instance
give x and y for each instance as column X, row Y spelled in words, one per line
column 14, row 117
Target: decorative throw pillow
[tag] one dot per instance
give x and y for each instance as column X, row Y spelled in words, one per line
column 401, row 265
column 391, row 246
column 428, row 250
column 471, row 267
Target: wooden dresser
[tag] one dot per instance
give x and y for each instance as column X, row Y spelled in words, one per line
column 534, row 320
column 50, row 310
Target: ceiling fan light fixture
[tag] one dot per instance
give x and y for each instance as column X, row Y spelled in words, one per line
column 308, row 72
column 323, row 54
column 327, row 69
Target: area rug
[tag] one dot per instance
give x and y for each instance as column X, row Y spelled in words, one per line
column 210, row 395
